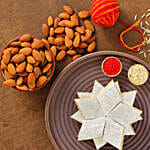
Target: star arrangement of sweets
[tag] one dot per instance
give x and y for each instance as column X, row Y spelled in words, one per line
column 106, row 115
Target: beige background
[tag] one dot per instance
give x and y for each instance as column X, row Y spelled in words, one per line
column 22, row 125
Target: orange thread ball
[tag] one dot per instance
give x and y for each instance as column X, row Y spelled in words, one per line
column 105, row 12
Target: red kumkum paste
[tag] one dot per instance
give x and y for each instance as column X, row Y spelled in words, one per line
column 111, row 66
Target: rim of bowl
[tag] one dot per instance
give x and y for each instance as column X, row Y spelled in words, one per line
column 49, row 78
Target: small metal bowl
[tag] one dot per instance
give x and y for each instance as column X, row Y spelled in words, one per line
column 37, row 88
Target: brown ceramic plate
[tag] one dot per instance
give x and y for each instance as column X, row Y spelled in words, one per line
column 80, row 76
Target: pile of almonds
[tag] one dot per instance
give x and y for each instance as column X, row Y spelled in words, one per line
column 65, row 35
column 26, row 63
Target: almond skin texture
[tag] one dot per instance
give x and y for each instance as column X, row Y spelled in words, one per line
column 20, row 68
column 22, row 87
column 81, row 29
column 25, row 38
column 36, row 64
column 76, row 41
column 87, row 35
column 54, row 50
column 45, row 30
column 30, row 60
column 50, row 21
column 31, row 81
column 51, row 40
column 62, row 47
column 6, row 57
column 26, row 44
column 43, row 57
column 59, row 41
column 60, row 56
column 84, row 14
column 48, row 73
column 83, row 45
column 77, row 34
column 91, row 47
column 11, row 69
column 10, row 83
column 16, row 43
column 45, row 42
column 19, row 80
column 3, row 65
column 71, row 52
column 37, row 56
column 62, row 23
column 48, row 55
column 59, row 30
column 91, row 39
column 8, row 75
column 69, row 23
column 37, row 72
column 60, row 35
column 80, row 50
column 37, row 44
column 23, row 74
column 51, row 31
column 25, row 51
column 68, row 9
column 69, row 32
column 46, row 68
column 64, row 15
column 56, row 21
column 29, row 68
column 75, row 19
column 88, row 24
column 14, row 51
column 76, row 57
column 41, row 80
column 68, row 42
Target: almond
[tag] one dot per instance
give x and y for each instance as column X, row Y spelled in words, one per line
column 60, row 35
column 59, row 30
column 74, row 19
column 68, row 42
column 80, row 50
column 37, row 44
column 91, row 47
column 36, row 54
column 69, row 23
column 51, row 31
column 46, row 68
column 3, row 65
column 45, row 42
column 76, row 57
column 6, row 57
column 91, row 39
column 60, row 56
column 29, row 68
column 8, row 75
column 64, row 15
column 54, row 50
column 26, row 44
column 84, row 14
column 62, row 23
column 18, row 58
column 56, row 21
column 36, row 64
column 71, row 52
column 48, row 55
column 20, row 68
column 30, row 60
column 43, row 57
column 10, row 83
column 77, row 34
column 88, row 24
column 25, row 51
column 25, row 38
column 68, row 9
column 48, row 73
column 41, row 80
column 11, row 69
column 62, row 47
column 19, row 80
column 69, row 32
column 87, row 35
column 16, row 43
column 76, row 41
column 50, row 21
column 51, row 40
column 22, row 87
column 81, row 29
column 37, row 72
column 83, row 45
column 23, row 74
column 31, row 80
column 7, row 49
column 59, row 41
column 45, row 30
